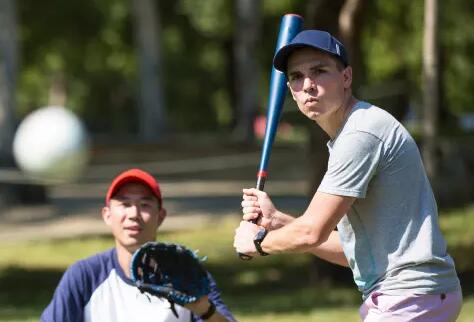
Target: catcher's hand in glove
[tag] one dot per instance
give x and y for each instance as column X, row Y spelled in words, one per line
column 169, row 271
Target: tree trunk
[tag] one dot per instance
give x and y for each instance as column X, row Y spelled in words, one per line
column 152, row 116
column 11, row 192
column 430, row 88
column 350, row 29
column 8, row 70
column 57, row 90
column 246, row 71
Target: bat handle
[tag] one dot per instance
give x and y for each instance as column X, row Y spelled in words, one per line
column 262, row 175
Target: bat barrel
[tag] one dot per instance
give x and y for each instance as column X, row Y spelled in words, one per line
column 290, row 25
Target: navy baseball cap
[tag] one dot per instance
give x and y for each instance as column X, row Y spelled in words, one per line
column 317, row 39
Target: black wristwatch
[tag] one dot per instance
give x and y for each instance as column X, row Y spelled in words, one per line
column 257, row 240
column 210, row 311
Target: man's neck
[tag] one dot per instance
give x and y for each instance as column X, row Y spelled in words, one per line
column 332, row 124
column 124, row 258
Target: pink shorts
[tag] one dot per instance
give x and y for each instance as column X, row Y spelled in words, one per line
column 416, row 308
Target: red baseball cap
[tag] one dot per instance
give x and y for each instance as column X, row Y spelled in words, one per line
column 134, row 175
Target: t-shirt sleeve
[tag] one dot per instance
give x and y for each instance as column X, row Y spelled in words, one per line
column 67, row 304
column 215, row 297
column 353, row 161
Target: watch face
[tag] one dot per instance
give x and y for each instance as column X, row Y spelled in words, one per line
column 261, row 234
column 258, row 239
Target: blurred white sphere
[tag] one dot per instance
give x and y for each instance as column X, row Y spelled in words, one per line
column 51, row 145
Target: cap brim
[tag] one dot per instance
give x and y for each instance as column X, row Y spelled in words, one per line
column 129, row 179
column 281, row 58
column 280, row 61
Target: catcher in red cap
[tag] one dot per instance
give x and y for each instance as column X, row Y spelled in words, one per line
column 101, row 288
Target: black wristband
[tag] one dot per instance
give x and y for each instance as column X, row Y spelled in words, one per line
column 258, row 240
column 210, row 311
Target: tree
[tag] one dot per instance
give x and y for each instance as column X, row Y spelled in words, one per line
column 246, row 40
column 152, row 121
column 11, row 193
column 350, row 31
column 430, row 87
column 8, row 72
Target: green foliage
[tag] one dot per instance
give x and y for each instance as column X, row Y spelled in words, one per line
column 393, row 47
column 197, row 60
column 278, row 8
column 213, row 18
column 456, row 53
column 89, row 42
column 392, row 40
column 90, row 45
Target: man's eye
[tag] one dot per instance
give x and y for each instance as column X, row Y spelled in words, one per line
column 295, row 78
column 319, row 71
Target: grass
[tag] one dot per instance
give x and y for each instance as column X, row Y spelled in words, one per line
column 276, row 289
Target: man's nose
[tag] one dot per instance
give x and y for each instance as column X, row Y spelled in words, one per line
column 308, row 84
column 133, row 211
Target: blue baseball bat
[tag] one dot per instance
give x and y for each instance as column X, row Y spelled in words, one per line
column 290, row 25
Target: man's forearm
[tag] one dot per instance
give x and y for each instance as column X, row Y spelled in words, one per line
column 281, row 219
column 313, row 231
column 296, row 236
column 331, row 250
column 203, row 306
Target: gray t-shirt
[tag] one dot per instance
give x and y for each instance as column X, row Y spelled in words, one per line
column 391, row 235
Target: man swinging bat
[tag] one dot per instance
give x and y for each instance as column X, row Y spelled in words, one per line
column 375, row 191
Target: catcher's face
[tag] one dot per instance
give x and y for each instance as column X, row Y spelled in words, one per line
column 133, row 215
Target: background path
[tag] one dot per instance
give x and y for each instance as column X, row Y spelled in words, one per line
column 198, row 186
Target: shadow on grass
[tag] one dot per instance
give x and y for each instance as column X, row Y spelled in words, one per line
column 285, row 287
column 277, row 285
column 24, row 293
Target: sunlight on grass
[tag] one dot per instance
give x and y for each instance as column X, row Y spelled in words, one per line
column 458, row 228
column 273, row 289
column 458, row 225
column 50, row 254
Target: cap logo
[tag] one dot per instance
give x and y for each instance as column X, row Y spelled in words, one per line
column 337, row 49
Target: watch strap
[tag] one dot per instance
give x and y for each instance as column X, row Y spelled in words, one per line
column 210, row 311
column 258, row 240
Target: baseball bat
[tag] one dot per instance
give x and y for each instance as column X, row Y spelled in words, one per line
column 290, row 25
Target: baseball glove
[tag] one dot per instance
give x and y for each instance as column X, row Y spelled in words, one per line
column 169, row 271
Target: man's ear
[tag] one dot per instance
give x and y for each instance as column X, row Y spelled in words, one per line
column 347, row 74
column 161, row 216
column 106, row 215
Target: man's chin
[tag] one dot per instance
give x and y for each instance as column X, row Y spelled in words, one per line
column 133, row 243
column 314, row 116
